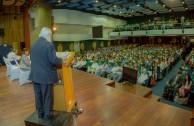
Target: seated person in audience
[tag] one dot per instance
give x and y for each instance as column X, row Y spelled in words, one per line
column 184, row 68
column 186, row 86
column 82, row 64
column 115, row 69
column 25, row 63
column 142, row 78
column 95, row 68
column 191, row 70
column 106, row 71
column 173, row 83
column 74, row 62
column 117, row 77
column 111, row 60
column 182, row 21
column 91, row 68
column 161, row 65
column 12, row 56
column 101, row 67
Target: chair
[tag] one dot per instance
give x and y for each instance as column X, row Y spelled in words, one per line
column 14, row 71
column 24, row 75
column 7, row 65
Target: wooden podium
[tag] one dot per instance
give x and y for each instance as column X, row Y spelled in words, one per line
column 63, row 93
column 63, row 100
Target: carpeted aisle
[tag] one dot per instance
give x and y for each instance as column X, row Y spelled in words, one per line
column 158, row 89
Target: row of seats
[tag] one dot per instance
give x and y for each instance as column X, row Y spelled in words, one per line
column 154, row 26
column 160, row 75
column 14, row 72
column 172, row 93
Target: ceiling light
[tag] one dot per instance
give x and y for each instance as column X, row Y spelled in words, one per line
column 96, row 1
column 120, row 12
column 155, row 12
column 115, row 5
column 107, row 11
column 164, row 5
column 183, row 2
column 59, row 1
column 186, row 8
column 170, row 10
column 156, row 1
column 138, row 5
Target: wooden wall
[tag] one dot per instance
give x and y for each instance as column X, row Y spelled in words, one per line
column 12, row 22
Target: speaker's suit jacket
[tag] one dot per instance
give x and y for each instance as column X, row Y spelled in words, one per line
column 44, row 62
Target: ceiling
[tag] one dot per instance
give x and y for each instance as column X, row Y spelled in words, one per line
column 124, row 8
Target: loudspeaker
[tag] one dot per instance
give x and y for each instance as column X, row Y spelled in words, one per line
column 1, row 32
column 22, row 45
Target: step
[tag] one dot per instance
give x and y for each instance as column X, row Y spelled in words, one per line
column 135, row 89
column 154, row 97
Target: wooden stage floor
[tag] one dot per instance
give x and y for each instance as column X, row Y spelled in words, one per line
column 103, row 105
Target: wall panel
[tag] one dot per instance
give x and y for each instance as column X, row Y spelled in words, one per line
column 12, row 22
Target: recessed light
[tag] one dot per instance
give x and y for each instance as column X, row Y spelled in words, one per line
column 54, row 28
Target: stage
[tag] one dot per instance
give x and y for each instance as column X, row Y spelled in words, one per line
column 103, row 105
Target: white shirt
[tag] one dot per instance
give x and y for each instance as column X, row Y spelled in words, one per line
column 12, row 56
column 142, row 78
column 82, row 63
column 115, row 69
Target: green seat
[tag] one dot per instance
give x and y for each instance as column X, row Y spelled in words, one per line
column 112, row 64
column 89, row 64
column 120, row 63
column 147, row 82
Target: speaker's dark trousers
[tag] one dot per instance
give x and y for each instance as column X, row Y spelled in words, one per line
column 44, row 99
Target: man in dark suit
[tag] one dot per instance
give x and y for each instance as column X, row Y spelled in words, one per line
column 44, row 73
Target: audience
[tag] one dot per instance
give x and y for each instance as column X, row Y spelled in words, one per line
column 155, row 59
column 186, row 86
column 157, row 23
